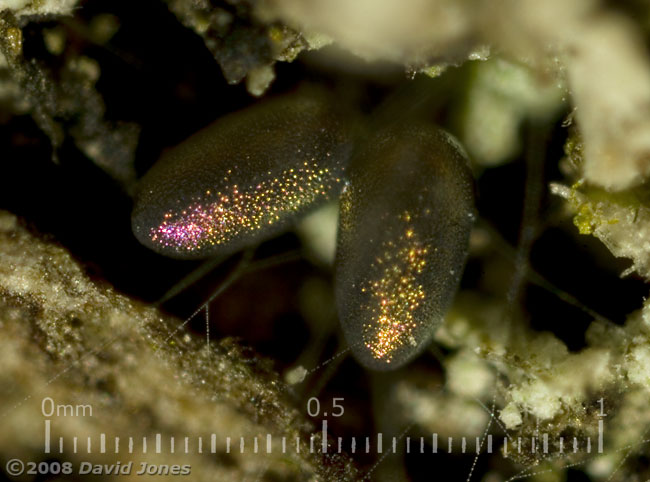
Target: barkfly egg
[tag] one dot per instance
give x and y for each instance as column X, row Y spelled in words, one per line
column 244, row 178
column 406, row 216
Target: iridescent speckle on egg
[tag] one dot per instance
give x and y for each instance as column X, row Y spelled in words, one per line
column 406, row 215
column 397, row 292
column 244, row 178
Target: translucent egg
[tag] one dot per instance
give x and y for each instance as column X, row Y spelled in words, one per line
column 406, row 215
column 244, row 178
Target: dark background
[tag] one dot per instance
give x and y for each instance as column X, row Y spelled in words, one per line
column 160, row 76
